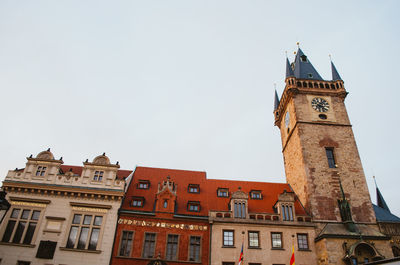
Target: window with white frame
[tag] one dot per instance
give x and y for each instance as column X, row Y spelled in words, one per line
column 21, row 226
column 276, row 238
column 228, row 238
column 302, row 241
column 40, row 171
column 85, row 231
column 254, row 239
column 222, row 192
column 98, row 175
column 256, row 195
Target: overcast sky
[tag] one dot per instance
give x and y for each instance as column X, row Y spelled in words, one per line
column 189, row 84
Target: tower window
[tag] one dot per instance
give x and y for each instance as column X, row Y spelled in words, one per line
column 330, row 157
column 310, row 75
column 303, row 58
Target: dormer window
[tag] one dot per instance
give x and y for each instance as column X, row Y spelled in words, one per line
column 193, row 206
column 194, row 188
column 143, row 184
column 303, row 58
column 239, row 209
column 287, row 212
column 255, row 194
column 222, row 192
column 137, row 202
column 98, row 175
column 40, row 171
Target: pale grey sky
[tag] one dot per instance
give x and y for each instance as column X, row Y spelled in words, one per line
column 189, row 84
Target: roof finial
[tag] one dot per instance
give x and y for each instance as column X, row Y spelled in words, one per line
column 330, row 57
column 286, row 53
column 298, row 44
column 376, row 186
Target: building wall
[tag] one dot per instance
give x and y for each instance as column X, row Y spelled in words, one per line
column 61, row 210
column 264, row 255
column 161, row 227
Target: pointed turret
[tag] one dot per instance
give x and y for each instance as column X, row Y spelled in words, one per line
column 289, row 70
column 303, row 68
column 276, row 100
column 335, row 74
column 380, row 200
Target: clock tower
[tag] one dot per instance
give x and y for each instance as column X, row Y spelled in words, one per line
column 318, row 143
column 323, row 166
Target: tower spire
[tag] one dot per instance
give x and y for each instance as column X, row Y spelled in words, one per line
column 276, row 100
column 335, row 74
column 379, row 198
column 303, row 69
column 289, row 70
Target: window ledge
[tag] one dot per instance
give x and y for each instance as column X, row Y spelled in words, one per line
column 277, row 249
column 81, row 250
column 228, row 247
column 304, row 249
column 17, row 245
column 254, row 247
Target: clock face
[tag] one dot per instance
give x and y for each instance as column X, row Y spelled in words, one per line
column 320, row 104
column 287, row 119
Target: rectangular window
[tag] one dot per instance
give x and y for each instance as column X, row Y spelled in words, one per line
column 84, row 232
column 137, row 202
column 172, row 247
column 193, row 206
column 222, row 192
column 126, row 243
column 228, row 238
column 330, row 157
column 20, row 262
column 240, row 209
column 194, row 188
column 40, row 171
column 194, row 248
column 228, row 263
column 21, row 226
column 149, row 245
column 98, row 175
column 254, row 239
column 143, row 184
column 256, row 195
column 276, row 239
column 302, row 241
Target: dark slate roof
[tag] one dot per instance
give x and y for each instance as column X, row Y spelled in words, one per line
column 303, row 68
column 289, row 70
column 276, row 102
column 383, row 215
column 381, row 201
column 335, row 74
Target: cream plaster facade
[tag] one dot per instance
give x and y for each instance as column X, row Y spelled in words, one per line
column 58, row 196
column 265, row 254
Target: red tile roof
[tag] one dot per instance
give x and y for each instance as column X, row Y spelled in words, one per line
column 208, row 191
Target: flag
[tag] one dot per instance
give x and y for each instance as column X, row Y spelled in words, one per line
column 241, row 257
column 292, row 257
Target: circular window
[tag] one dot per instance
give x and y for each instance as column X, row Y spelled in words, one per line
column 322, row 116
